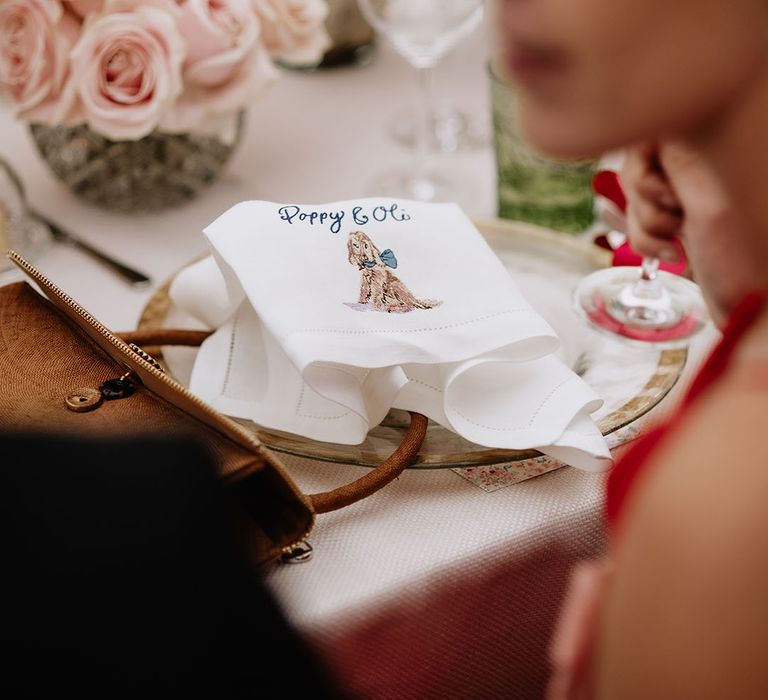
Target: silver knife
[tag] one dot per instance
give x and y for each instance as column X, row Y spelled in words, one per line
column 134, row 277
column 131, row 275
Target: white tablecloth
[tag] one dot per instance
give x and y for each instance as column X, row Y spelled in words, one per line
column 432, row 587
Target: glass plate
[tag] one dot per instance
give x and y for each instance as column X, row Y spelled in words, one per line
column 546, row 266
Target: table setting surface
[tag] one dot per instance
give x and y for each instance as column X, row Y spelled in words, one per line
column 496, row 545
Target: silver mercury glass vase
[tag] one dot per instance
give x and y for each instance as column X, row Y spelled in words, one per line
column 158, row 171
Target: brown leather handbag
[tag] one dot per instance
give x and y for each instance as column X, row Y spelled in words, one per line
column 62, row 371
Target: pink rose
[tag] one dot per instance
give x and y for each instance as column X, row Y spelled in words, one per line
column 226, row 67
column 35, row 39
column 220, row 34
column 83, row 7
column 126, row 68
column 294, row 30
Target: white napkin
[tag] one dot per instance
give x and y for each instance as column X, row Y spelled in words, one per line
column 326, row 316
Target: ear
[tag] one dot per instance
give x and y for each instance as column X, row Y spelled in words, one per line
column 351, row 255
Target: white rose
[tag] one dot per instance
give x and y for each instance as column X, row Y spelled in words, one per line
column 226, row 67
column 294, row 30
column 126, row 69
column 35, row 39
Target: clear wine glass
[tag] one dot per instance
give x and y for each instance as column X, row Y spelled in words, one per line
column 19, row 231
column 643, row 306
column 422, row 31
column 451, row 130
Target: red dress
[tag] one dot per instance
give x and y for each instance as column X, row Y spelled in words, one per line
column 632, row 464
column 574, row 635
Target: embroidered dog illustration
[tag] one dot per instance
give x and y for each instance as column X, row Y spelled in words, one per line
column 380, row 288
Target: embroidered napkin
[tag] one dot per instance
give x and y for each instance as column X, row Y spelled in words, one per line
column 327, row 316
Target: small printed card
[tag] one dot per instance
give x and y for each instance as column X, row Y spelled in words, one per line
column 326, row 316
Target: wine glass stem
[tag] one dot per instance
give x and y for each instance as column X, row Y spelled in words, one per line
column 424, row 75
column 649, row 268
column 648, row 287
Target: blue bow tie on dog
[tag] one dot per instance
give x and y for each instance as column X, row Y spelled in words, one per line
column 387, row 257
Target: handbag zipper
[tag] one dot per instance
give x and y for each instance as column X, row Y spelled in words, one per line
column 148, row 363
column 137, row 354
column 145, row 356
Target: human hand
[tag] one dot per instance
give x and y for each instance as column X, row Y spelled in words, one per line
column 675, row 200
column 654, row 211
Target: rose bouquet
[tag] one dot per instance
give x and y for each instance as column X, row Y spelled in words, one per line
column 126, row 68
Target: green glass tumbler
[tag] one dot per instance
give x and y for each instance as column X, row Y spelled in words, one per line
column 551, row 193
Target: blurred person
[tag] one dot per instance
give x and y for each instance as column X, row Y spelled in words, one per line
column 679, row 610
column 125, row 576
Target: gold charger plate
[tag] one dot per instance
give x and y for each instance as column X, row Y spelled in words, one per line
column 546, row 266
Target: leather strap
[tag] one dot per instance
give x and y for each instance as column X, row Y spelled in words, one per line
column 164, row 336
column 379, row 476
column 366, row 485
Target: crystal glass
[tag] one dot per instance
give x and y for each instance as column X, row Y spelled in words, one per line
column 19, row 231
column 422, row 31
column 451, row 130
column 642, row 305
column 555, row 194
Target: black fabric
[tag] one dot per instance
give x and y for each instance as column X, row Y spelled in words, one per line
column 122, row 576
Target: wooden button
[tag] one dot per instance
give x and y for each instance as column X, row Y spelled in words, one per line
column 84, row 399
